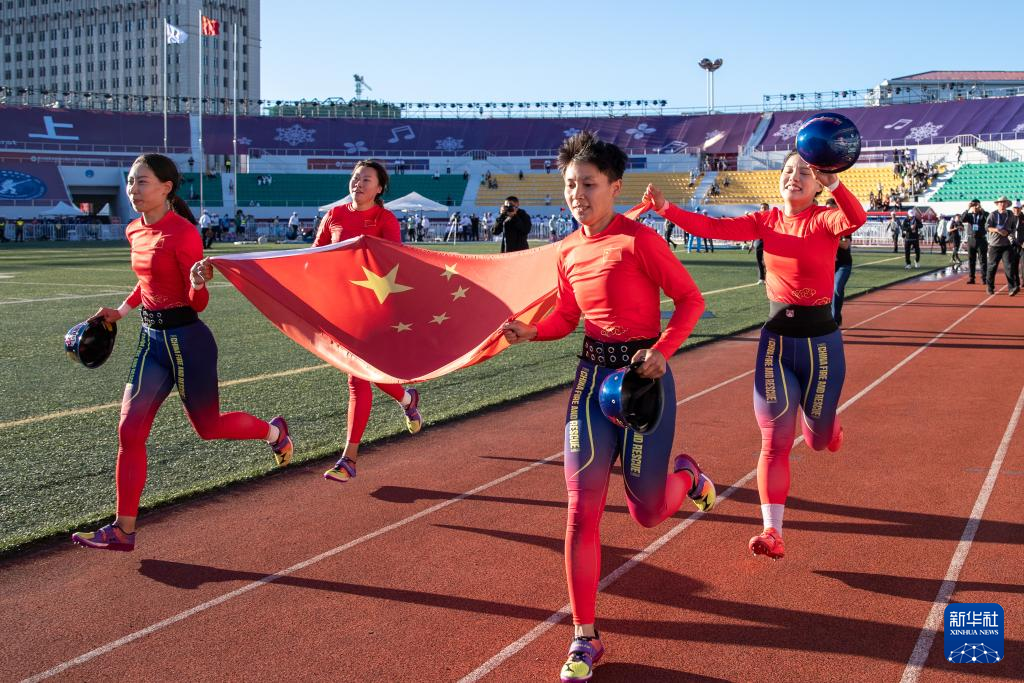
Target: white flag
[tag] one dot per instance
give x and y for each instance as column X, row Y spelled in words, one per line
column 175, row 34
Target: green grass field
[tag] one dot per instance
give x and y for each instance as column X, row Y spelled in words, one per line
column 58, row 421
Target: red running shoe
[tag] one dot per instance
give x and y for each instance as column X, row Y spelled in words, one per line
column 768, row 543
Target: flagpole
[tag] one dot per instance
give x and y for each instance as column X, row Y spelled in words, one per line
column 202, row 154
column 234, row 111
column 165, row 84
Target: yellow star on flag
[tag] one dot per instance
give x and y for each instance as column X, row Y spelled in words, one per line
column 460, row 293
column 381, row 286
column 402, row 327
column 449, row 271
column 440, row 318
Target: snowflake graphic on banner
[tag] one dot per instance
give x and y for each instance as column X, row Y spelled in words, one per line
column 788, row 130
column 357, row 146
column 569, row 132
column 244, row 140
column 449, row 144
column 711, row 134
column 640, row 131
column 1019, row 128
column 295, row 135
column 674, row 147
column 923, row 132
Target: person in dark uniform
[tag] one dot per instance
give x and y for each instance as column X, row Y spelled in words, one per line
column 974, row 220
column 912, row 227
column 956, row 227
column 669, row 226
column 1001, row 226
column 513, row 224
column 758, row 246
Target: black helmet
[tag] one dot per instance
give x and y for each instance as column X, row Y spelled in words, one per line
column 90, row 343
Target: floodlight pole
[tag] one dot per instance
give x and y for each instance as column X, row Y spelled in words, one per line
column 710, row 67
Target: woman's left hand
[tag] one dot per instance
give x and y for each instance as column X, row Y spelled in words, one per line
column 653, row 365
column 825, row 179
column 201, row 273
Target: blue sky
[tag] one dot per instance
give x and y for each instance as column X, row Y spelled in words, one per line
column 463, row 51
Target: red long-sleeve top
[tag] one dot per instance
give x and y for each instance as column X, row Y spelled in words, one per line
column 344, row 222
column 613, row 279
column 162, row 256
column 799, row 251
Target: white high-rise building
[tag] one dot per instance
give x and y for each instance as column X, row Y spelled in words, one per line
column 106, row 54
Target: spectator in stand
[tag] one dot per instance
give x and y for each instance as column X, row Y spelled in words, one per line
column 977, row 246
column 513, row 224
column 547, row 165
column 894, row 229
column 547, row 199
column 1002, row 229
column 955, row 229
column 912, row 227
column 365, row 215
column 521, row 175
column 437, row 175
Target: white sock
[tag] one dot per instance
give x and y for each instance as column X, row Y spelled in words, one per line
column 273, row 434
column 406, row 399
column 772, row 515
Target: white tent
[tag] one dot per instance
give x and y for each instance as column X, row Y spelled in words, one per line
column 62, row 209
column 344, row 200
column 414, row 201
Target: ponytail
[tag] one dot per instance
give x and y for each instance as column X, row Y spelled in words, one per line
column 180, row 207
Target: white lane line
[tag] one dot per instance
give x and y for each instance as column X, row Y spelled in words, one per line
column 498, row 659
column 270, row 578
column 68, row 297
column 107, row 406
column 936, row 616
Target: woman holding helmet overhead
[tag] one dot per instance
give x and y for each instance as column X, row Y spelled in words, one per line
column 800, row 364
column 611, row 272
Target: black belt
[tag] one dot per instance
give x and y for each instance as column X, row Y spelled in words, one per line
column 613, row 354
column 167, row 318
column 791, row 320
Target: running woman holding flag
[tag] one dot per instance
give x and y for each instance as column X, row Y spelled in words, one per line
column 800, row 366
column 365, row 215
column 611, row 272
column 176, row 349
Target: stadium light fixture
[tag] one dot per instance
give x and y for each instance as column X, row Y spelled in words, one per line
column 711, row 67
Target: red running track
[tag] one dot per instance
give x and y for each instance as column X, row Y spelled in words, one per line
column 442, row 561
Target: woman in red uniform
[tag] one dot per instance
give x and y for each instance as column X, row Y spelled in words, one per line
column 176, row 349
column 611, row 272
column 365, row 215
column 800, row 364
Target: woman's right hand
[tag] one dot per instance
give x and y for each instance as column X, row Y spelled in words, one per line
column 654, row 197
column 110, row 315
column 517, row 332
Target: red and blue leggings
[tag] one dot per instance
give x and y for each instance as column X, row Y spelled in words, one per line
column 592, row 445
column 796, row 378
column 184, row 358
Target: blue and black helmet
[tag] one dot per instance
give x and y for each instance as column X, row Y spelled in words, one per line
column 91, row 342
column 631, row 401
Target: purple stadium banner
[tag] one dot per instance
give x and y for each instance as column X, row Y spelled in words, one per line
column 913, row 124
column 25, row 182
column 93, row 131
column 722, row 133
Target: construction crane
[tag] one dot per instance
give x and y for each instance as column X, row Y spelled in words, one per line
column 360, row 84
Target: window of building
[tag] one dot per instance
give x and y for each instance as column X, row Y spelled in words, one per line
column 65, row 51
column 31, row 72
column 7, row 74
column 17, row 73
column 88, row 30
column 77, row 31
column 17, row 56
column 53, row 53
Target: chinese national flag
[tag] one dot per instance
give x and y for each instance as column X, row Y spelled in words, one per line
column 211, row 27
column 389, row 313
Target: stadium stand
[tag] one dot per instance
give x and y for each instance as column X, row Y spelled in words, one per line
column 534, row 187
column 983, row 181
column 213, row 191
column 317, row 189
column 755, row 187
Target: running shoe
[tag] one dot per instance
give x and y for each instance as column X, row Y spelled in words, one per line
column 702, row 493
column 105, row 538
column 283, row 447
column 584, row 653
column 768, row 543
column 413, row 419
column 342, row 471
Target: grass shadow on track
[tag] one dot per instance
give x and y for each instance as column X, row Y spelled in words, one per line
column 630, row 673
